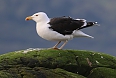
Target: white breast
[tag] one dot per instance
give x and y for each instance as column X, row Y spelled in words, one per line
column 48, row 34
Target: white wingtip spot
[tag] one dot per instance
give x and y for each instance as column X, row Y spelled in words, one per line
column 96, row 23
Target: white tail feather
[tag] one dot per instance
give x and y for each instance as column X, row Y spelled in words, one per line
column 78, row 33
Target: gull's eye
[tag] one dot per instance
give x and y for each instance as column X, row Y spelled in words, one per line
column 36, row 15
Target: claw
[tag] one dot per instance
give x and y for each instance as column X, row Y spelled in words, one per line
column 56, row 48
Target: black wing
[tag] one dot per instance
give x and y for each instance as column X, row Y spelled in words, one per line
column 65, row 25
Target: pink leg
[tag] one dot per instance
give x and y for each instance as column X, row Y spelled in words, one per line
column 63, row 44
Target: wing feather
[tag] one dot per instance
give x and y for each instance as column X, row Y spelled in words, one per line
column 65, row 25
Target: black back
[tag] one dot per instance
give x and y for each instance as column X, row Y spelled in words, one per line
column 65, row 25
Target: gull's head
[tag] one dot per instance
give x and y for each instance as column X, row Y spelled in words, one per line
column 38, row 17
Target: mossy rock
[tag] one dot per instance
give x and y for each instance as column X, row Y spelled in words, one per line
column 102, row 72
column 57, row 63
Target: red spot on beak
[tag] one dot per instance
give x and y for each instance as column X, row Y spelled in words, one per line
column 28, row 18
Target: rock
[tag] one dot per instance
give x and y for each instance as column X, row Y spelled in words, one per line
column 49, row 63
column 102, row 72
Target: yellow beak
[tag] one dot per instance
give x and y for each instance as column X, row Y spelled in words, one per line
column 28, row 18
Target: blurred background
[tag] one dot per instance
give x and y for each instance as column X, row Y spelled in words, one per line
column 18, row 34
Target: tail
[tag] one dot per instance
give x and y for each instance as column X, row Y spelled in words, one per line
column 79, row 33
column 89, row 24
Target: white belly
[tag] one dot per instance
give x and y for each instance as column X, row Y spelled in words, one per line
column 51, row 35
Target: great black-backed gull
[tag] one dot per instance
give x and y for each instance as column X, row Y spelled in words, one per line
column 59, row 28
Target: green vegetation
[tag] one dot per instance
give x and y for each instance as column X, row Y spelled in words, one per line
column 57, row 63
column 16, row 34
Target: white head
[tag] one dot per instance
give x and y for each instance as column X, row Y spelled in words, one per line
column 38, row 17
